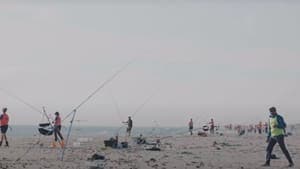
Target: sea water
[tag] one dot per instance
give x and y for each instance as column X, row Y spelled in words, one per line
column 97, row 131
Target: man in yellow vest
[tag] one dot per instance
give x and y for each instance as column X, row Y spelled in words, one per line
column 276, row 135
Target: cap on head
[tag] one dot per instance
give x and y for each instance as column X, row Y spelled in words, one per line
column 272, row 109
column 56, row 113
column 4, row 109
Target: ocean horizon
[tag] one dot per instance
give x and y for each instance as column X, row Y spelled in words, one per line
column 96, row 131
column 110, row 131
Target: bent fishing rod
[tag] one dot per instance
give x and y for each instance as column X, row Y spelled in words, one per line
column 139, row 108
column 74, row 111
column 98, row 89
column 143, row 104
column 116, row 105
column 10, row 94
column 43, row 112
column 19, row 99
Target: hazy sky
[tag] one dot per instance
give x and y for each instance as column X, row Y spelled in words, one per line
column 228, row 60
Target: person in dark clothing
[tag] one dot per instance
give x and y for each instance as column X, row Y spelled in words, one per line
column 260, row 127
column 191, row 126
column 276, row 135
column 212, row 126
column 57, row 128
column 266, row 127
column 4, row 119
column 129, row 125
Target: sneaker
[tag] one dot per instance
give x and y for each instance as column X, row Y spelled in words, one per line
column 291, row 165
column 7, row 144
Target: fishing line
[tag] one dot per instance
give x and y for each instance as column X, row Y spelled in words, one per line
column 116, row 105
column 138, row 109
column 39, row 137
column 43, row 113
column 143, row 104
column 98, row 89
column 21, row 100
column 73, row 112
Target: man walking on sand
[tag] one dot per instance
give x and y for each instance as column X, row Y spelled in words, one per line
column 276, row 135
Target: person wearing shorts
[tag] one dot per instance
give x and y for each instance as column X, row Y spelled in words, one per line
column 4, row 119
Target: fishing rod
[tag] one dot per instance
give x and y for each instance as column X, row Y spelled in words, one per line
column 158, row 127
column 98, row 89
column 117, row 107
column 39, row 139
column 43, row 112
column 21, row 100
column 155, row 128
column 48, row 118
column 139, row 108
column 74, row 111
column 143, row 104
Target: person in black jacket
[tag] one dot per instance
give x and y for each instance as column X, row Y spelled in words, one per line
column 129, row 125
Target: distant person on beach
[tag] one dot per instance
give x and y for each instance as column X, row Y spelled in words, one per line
column 4, row 119
column 191, row 126
column 212, row 126
column 57, row 128
column 276, row 135
column 129, row 125
column 292, row 128
column 266, row 127
column 260, row 126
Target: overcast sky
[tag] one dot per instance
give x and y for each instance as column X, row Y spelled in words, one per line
column 228, row 60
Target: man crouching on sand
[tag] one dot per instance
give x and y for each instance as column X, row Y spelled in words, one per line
column 276, row 135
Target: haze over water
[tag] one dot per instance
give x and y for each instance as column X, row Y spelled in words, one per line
column 230, row 61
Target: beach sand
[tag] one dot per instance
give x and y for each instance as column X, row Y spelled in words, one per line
column 212, row 152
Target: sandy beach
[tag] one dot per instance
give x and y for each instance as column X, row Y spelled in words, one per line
column 202, row 81
column 181, row 152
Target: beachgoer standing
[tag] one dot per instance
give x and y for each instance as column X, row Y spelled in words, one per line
column 260, row 126
column 276, row 135
column 266, row 127
column 57, row 128
column 191, row 126
column 212, row 126
column 129, row 125
column 4, row 119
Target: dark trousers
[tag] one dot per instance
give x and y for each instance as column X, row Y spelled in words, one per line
column 280, row 141
column 212, row 130
column 57, row 132
column 191, row 130
column 129, row 130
